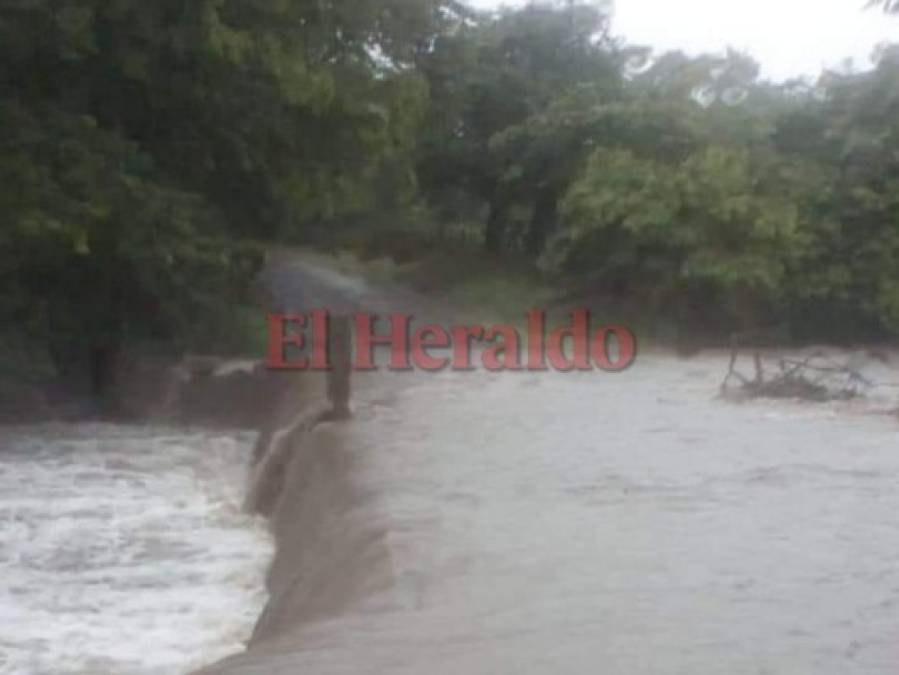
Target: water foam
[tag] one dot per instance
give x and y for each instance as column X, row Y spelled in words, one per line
column 125, row 550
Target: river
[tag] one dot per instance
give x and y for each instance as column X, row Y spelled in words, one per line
column 124, row 550
column 625, row 524
column 544, row 523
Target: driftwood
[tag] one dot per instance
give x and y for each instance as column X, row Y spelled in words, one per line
column 816, row 378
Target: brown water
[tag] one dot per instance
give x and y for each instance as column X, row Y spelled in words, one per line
column 469, row 524
column 124, row 550
column 620, row 524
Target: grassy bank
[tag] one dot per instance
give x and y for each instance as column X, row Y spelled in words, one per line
column 451, row 267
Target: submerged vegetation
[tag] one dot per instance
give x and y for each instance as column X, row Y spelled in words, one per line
column 145, row 143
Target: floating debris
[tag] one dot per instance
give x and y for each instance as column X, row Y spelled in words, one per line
column 816, row 378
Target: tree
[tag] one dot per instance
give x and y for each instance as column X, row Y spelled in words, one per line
column 488, row 78
column 852, row 269
column 140, row 139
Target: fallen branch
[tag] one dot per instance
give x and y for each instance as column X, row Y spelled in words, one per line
column 815, row 378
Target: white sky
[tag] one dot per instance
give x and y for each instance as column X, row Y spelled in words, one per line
column 788, row 37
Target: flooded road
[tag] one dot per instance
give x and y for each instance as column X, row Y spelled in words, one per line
column 123, row 551
column 622, row 524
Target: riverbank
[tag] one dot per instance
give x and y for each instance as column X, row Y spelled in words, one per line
column 446, row 277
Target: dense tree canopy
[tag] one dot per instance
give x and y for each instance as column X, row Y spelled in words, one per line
column 142, row 141
column 688, row 185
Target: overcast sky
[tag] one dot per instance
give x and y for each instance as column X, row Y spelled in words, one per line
column 788, row 37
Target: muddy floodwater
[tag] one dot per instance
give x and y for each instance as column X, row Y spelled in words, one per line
column 531, row 523
column 123, row 551
column 621, row 524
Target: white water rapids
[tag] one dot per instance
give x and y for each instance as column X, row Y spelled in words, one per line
column 123, row 551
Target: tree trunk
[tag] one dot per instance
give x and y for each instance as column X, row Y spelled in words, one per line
column 543, row 221
column 493, row 234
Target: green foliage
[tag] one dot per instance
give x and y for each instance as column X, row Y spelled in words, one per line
column 685, row 184
column 711, row 224
column 489, row 132
column 140, row 139
column 854, row 265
